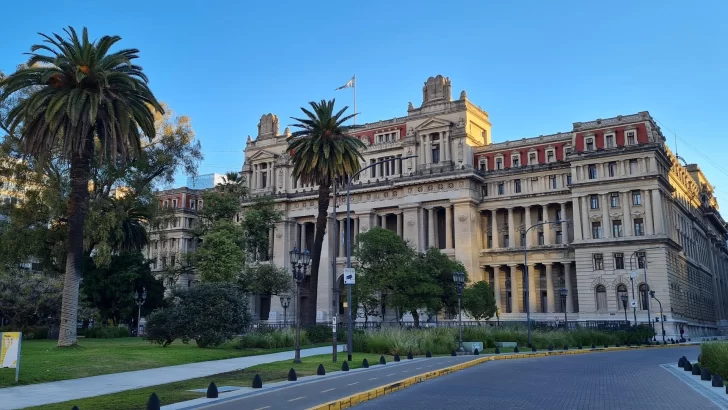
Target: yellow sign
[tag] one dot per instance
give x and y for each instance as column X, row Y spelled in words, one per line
column 10, row 350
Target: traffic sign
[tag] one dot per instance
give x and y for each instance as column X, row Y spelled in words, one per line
column 333, row 321
column 634, row 303
column 349, row 276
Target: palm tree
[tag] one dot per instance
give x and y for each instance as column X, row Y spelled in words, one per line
column 90, row 105
column 321, row 150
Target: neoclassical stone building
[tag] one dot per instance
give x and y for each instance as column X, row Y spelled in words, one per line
column 602, row 201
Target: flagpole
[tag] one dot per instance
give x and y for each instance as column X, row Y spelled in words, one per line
column 355, row 99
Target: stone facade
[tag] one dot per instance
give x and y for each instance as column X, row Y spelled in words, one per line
column 624, row 215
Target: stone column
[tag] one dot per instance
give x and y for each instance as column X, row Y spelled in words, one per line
column 569, row 288
column 511, row 228
column 649, row 213
column 585, row 218
column 431, row 228
column 533, row 274
column 526, row 225
column 497, row 287
column 515, row 294
column 550, row 308
column 448, row 227
column 657, row 211
column 428, row 149
column 270, row 174
column 564, row 224
column 494, row 229
column 400, row 224
column 606, row 225
column 303, row 244
column 576, row 217
column 423, row 141
column 627, row 216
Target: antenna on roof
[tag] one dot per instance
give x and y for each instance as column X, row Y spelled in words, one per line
column 676, row 154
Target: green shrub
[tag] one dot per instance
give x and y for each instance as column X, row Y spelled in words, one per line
column 319, row 333
column 271, row 340
column 107, row 332
column 715, row 356
column 32, row 332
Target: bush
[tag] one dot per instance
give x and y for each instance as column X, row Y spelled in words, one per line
column 272, row 340
column 107, row 332
column 715, row 356
column 209, row 313
column 319, row 333
column 35, row 332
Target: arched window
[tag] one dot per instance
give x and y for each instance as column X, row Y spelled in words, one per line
column 601, row 298
column 644, row 298
column 622, row 290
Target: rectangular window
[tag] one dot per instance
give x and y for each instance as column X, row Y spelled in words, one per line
column 617, row 229
column 596, row 230
column 540, row 238
column 639, row 227
column 552, row 182
column 590, row 144
column 612, row 169
column 641, row 260
column 436, row 153
column 594, row 201
column 484, row 190
column 630, row 138
column 618, row 261
column 499, row 163
column 592, row 172
column 559, row 237
column 633, row 167
column 550, row 157
column 501, row 188
column 516, row 162
column 532, row 159
column 568, row 179
column 598, row 261
column 505, row 241
column 636, row 198
column 609, row 141
column 614, row 199
column 540, row 214
column 517, row 185
column 558, row 214
column 174, row 203
column 483, row 165
column 523, row 239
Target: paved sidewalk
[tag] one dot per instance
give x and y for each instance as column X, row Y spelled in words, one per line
column 55, row 392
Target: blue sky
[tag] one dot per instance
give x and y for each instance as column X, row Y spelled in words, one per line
column 535, row 66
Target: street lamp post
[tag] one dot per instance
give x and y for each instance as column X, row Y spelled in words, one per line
column 349, row 325
column 564, row 293
column 662, row 316
column 634, row 300
column 285, row 302
column 299, row 265
column 624, row 305
column 140, row 298
column 459, row 279
column 526, row 282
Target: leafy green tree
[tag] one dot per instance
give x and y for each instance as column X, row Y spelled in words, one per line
column 443, row 267
column 220, row 257
column 29, row 298
column 111, row 288
column 478, row 301
column 265, row 279
column 259, row 219
column 321, row 150
column 83, row 97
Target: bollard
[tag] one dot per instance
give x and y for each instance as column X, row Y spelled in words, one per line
column 687, row 366
column 153, row 402
column 382, row 360
column 705, row 374
column 396, row 357
column 257, row 382
column 717, row 380
column 566, row 347
column 292, row 377
column 696, row 370
column 580, row 347
column 345, row 366
column 453, row 353
column 75, row 408
column 681, row 362
column 533, row 349
column 606, row 345
column 409, row 356
column 428, row 354
column 320, row 371
column 551, row 348
column 365, row 363
column 476, row 352
column 497, row 350
column 211, row 391
column 594, row 346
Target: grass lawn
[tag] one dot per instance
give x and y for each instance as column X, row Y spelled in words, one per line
column 41, row 361
column 176, row 392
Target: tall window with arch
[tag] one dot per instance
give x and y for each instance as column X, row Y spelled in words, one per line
column 601, row 293
column 644, row 298
column 621, row 290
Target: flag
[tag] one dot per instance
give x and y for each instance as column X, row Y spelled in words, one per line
column 349, row 84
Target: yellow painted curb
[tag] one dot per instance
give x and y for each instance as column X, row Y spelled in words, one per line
column 372, row 394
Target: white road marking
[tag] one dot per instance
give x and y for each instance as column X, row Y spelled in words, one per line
column 390, row 374
column 261, row 408
column 324, row 391
column 297, row 398
column 418, row 368
column 373, row 378
column 351, row 384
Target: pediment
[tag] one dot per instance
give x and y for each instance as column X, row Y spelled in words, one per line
column 433, row 123
column 263, row 154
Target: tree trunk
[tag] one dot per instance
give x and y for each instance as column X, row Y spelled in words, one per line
column 318, row 241
column 77, row 209
column 416, row 318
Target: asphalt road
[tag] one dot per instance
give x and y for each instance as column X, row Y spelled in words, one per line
column 310, row 394
column 609, row 381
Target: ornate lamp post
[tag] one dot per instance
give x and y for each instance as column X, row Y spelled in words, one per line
column 624, row 298
column 285, row 302
column 140, row 298
column 459, row 279
column 299, row 265
column 662, row 316
column 564, row 292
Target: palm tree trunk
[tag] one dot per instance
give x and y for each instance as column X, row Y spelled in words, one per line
column 318, row 241
column 76, row 213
